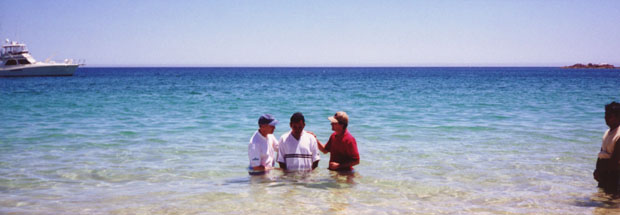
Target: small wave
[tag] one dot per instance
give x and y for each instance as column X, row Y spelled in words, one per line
column 128, row 133
column 465, row 128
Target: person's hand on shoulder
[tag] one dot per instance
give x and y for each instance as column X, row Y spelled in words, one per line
column 311, row 133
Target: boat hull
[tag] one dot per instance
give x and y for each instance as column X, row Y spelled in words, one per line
column 43, row 70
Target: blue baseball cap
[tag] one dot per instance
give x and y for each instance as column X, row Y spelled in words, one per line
column 267, row 119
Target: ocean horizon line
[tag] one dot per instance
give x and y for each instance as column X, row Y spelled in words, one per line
column 327, row 66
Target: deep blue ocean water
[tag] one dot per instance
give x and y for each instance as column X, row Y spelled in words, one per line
column 431, row 140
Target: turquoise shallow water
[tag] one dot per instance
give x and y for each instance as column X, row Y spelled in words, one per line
column 432, row 140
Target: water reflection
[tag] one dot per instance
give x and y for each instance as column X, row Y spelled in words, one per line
column 601, row 202
column 339, row 201
column 313, row 179
column 344, row 176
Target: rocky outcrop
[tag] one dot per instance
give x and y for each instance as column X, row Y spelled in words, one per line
column 590, row 66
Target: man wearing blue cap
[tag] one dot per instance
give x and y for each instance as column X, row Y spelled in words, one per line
column 263, row 146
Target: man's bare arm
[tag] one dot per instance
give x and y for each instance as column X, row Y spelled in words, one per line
column 318, row 143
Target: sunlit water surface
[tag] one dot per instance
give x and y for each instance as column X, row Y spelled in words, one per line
column 431, row 140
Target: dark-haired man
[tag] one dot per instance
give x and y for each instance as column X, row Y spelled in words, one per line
column 341, row 144
column 607, row 170
column 298, row 150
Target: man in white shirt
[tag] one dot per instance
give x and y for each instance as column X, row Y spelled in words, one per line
column 298, row 150
column 263, row 146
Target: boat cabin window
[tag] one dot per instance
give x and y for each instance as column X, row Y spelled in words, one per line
column 11, row 62
column 15, row 49
column 23, row 61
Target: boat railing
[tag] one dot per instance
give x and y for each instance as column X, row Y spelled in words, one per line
column 81, row 62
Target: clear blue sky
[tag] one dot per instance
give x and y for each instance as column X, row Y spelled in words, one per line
column 317, row 33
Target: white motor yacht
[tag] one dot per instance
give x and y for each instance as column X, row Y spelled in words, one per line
column 16, row 61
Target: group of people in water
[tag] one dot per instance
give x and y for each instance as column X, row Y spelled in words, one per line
column 298, row 149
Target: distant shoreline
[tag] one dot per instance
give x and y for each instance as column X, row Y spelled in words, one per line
column 590, row 66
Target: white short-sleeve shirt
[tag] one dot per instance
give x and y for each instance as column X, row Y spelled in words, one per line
column 298, row 155
column 261, row 150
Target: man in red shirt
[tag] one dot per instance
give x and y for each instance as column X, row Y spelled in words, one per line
column 341, row 144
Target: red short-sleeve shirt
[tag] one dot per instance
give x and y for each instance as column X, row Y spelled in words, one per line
column 342, row 149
